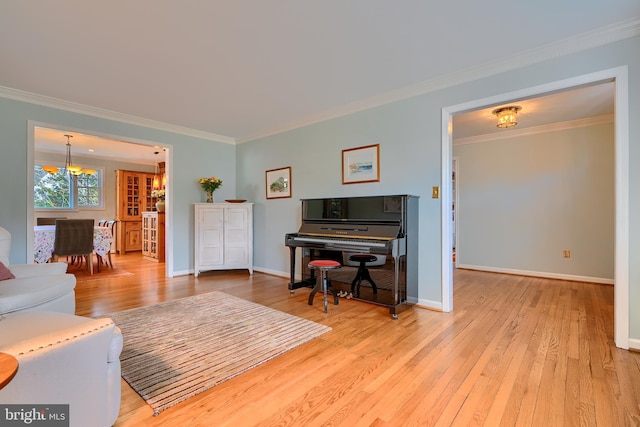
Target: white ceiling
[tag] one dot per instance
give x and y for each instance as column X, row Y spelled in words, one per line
column 238, row 69
column 85, row 145
column 588, row 102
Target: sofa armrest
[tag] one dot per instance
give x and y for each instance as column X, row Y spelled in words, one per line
column 30, row 270
column 66, row 363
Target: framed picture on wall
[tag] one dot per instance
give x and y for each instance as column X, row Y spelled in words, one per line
column 278, row 183
column 361, row 164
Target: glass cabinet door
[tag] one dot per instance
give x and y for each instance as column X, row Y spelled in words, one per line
column 133, row 193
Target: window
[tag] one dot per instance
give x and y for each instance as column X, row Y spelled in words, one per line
column 89, row 190
column 64, row 191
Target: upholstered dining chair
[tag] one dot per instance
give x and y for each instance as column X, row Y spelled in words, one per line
column 48, row 221
column 112, row 226
column 74, row 237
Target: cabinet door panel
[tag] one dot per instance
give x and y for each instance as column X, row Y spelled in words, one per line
column 211, row 218
column 134, row 240
column 235, row 219
column 211, row 256
column 235, row 256
column 211, row 247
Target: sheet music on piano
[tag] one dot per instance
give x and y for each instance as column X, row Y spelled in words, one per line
column 384, row 226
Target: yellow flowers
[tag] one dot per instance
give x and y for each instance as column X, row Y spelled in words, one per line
column 210, row 184
column 158, row 194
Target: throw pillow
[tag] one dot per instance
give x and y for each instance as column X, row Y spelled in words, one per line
column 5, row 273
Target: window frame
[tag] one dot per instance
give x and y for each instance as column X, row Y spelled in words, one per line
column 73, row 196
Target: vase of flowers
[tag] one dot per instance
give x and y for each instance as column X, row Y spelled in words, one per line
column 160, row 195
column 209, row 185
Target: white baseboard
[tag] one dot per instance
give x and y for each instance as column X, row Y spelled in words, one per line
column 182, row 272
column 572, row 277
column 278, row 273
column 424, row 303
column 634, row 344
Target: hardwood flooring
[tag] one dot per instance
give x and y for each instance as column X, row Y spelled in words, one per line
column 515, row 351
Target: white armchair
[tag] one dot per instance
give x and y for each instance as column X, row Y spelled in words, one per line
column 36, row 287
column 64, row 359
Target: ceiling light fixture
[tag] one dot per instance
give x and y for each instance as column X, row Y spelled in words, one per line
column 68, row 166
column 51, row 170
column 156, row 174
column 507, row 116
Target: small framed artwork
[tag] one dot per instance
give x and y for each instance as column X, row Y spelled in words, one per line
column 361, row 164
column 278, row 183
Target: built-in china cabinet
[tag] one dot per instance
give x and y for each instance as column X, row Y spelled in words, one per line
column 133, row 197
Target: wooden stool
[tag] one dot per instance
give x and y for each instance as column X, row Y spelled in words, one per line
column 323, row 265
column 363, row 273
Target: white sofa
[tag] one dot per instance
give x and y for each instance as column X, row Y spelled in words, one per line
column 64, row 359
column 36, row 287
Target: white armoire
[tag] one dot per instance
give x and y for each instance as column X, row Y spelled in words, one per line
column 223, row 236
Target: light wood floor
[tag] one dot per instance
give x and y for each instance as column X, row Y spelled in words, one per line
column 515, row 351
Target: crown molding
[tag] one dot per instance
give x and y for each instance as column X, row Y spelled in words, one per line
column 553, row 127
column 46, row 101
column 588, row 40
column 584, row 41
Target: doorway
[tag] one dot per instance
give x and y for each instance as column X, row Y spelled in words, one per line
column 126, row 145
column 621, row 261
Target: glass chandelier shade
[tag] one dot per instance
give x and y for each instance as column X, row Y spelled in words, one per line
column 507, row 116
column 68, row 165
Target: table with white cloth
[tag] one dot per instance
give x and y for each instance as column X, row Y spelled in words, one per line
column 45, row 236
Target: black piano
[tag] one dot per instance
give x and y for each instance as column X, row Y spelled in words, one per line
column 383, row 226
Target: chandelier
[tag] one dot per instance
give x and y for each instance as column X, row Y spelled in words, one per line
column 507, row 116
column 68, row 165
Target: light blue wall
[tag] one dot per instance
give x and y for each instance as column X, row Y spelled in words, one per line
column 409, row 134
column 523, row 200
column 192, row 158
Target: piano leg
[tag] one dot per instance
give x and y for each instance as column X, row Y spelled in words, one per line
column 292, row 268
column 293, row 285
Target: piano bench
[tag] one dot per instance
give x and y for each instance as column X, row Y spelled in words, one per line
column 363, row 273
column 324, row 265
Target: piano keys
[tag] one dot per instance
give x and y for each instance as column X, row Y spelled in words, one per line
column 383, row 226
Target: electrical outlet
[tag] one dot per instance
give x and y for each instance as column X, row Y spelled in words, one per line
column 435, row 192
column 566, row 253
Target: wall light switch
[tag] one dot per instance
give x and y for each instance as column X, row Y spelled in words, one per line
column 435, row 192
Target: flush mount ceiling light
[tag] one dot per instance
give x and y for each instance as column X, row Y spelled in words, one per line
column 507, row 116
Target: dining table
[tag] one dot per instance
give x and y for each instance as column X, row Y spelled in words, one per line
column 45, row 236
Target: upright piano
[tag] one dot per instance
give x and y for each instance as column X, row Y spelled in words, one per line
column 383, row 226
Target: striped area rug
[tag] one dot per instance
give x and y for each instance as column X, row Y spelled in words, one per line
column 177, row 349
